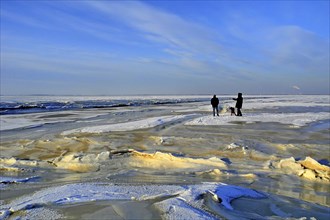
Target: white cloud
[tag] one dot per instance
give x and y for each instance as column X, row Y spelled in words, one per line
column 151, row 42
column 161, row 27
column 299, row 50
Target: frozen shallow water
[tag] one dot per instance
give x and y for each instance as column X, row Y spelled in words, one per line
column 278, row 148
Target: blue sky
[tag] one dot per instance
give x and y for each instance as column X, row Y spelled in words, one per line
column 164, row 47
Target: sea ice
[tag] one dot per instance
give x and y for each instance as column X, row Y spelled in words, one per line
column 296, row 119
column 8, row 180
column 84, row 162
column 308, row 168
column 129, row 126
column 174, row 201
column 166, row 161
column 9, row 122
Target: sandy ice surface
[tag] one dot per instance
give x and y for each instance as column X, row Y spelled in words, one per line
column 80, row 162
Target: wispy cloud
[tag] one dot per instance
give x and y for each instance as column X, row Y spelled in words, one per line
column 276, row 48
column 132, row 39
column 184, row 44
column 161, row 27
column 299, row 50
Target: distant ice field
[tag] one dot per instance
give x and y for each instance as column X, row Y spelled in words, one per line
column 35, row 104
column 38, row 111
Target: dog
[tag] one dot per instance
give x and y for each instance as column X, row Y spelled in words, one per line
column 232, row 111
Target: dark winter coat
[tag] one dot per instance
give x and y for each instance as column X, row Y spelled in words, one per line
column 239, row 101
column 214, row 101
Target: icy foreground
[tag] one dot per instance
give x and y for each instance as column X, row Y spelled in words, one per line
column 200, row 201
column 173, row 201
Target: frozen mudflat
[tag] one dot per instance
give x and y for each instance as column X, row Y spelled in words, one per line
column 164, row 158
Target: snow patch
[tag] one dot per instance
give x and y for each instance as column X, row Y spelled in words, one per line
column 295, row 119
column 128, row 126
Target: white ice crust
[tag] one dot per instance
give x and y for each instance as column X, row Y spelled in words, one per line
column 295, row 119
column 128, row 126
column 8, row 122
column 175, row 201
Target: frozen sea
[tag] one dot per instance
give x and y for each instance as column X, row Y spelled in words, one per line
column 164, row 157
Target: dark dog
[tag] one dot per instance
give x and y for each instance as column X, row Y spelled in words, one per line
column 232, row 111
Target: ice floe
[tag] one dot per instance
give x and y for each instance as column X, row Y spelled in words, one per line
column 254, row 151
column 168, row 162
column 81, row 162
column 308, row 168
column 295, row 119
column 18, row 162
column 135, row 159
column 84, row 162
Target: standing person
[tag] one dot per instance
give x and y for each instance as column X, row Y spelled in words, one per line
column 239, row 104
column 215, row 103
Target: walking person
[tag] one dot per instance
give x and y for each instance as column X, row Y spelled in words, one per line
column 215, row 103
column 239, row 104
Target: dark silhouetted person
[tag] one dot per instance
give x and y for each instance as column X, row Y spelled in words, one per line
column 215, row 103
column 239, row 104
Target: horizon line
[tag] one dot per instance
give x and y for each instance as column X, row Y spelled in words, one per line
column 161, row 94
